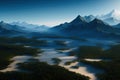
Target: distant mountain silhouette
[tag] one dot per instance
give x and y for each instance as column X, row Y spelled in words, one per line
column 11, row 30
column 31, row 27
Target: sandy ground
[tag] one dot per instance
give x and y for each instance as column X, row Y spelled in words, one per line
column 17, row 59
column 92, row 60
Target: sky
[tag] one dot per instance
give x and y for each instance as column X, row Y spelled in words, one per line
column 53, row 12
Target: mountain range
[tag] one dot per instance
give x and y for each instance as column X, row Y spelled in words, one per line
column 89, row 26
column 112, row 18
column 80, row 27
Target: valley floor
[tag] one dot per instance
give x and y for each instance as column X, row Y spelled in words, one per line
column 56, row 52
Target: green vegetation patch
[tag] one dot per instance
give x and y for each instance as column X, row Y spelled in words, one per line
column 111, row 68
column 41, row 71
column 56, row 60
column 23, row 41
column 60, row 42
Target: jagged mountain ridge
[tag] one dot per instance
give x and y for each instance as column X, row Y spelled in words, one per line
column 112, row 18
column 79, row 26
column 89, row 18
column 78, row 22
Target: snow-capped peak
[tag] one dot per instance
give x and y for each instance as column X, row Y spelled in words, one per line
column 115, row 14
column 111, row 18
column 115, row 11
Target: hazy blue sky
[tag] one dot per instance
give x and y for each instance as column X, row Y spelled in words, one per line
column 52, row 12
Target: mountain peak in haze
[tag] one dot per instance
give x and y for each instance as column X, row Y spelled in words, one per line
column 112, row 17
column 115, row 14
column 78, row 20
column 115, row 11
column 97, row 21
column 89, row 18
